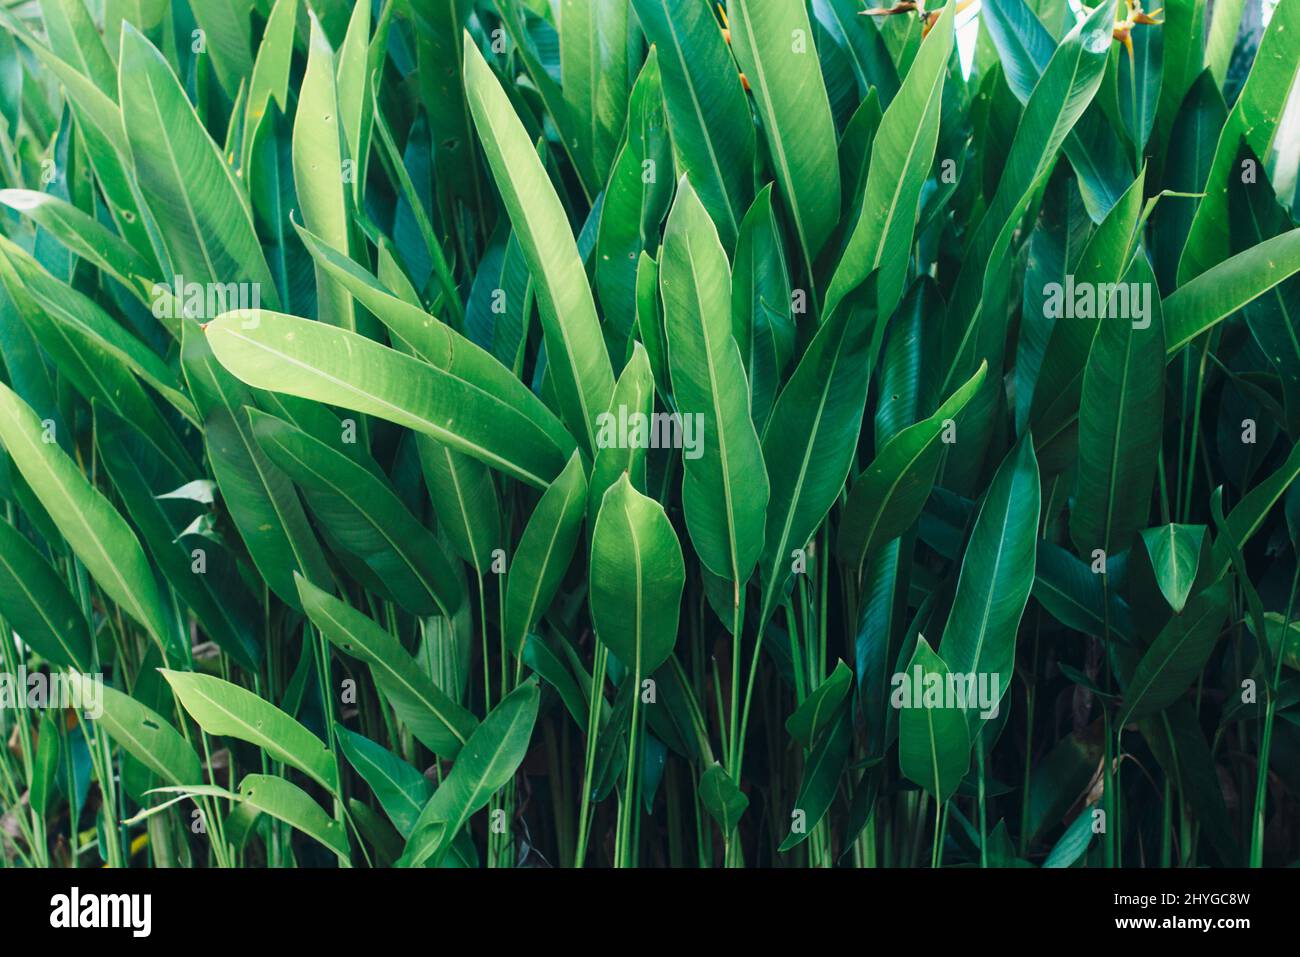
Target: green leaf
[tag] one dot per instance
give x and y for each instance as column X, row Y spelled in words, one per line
column 901, row 155
column 821, row 779
column 438, row 40
column 772, row 43
column 433, row 717
column 594, row 74
column 1283, row 637
column 318, row 171
column 888, row 497
column 418, row 333
column 708, row 112
column 315, row 361
column 1139, row 81
column 270, row 77
column 1183, row 36
column 762, row 319
column 863, row 43
column 222, row 708
column 356, row 59
column 363, row 512
column 74, row 37
column 259, row 496
column 99, row 121
column 636, row 579
column 722, row 798
column 465, row 501
column 997, row 573
column 1175, row 659
column 1220, row 290
column 93, row 528
column 227, row 36
column 1055, row 404
column 1072, row 593
column 222, row 604
column 46, row 768
column 66, row 313
column 810, row 442
column 1093, row 148
column 84, row 236
column 541, row 659
column 145, row 735
column 725, row 489
column 204, row 219
column 1073, row 844
column 636, row 198
column 1121, row 415
column 486, row 763
column 821, row 706
column 633, row 395
column 1193, row 137
column 933, row 740
column 1255, row 117
column 1248, row 515
column 401, row 789
column 544, row 552
column 1175, row 552
column 36, row 604
column 287, row 802
column 578, row 364
column 1068, row 84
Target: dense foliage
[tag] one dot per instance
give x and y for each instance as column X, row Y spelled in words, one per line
column 563, row 432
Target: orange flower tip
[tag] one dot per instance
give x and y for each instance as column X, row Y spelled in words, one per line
column 744, row 82
column 726, row 34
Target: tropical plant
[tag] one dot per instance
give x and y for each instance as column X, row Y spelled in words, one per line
column 510, row 432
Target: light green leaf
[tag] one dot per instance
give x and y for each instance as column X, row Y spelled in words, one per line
column 578, row 364
column 997, row 573
column 544, row 552
column 287, row 802
column 1175, row 552
column 401, row 789
column 100, row 536
column 486, row 763
column 901, row 155
column 772, row 43
column 708, row 112
column 636, row 578
column 222, row 708
column 316, row 361
column 204, row 218
column 709, row 386
column 933, row 740
column 437, row 721
column 145, row 735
